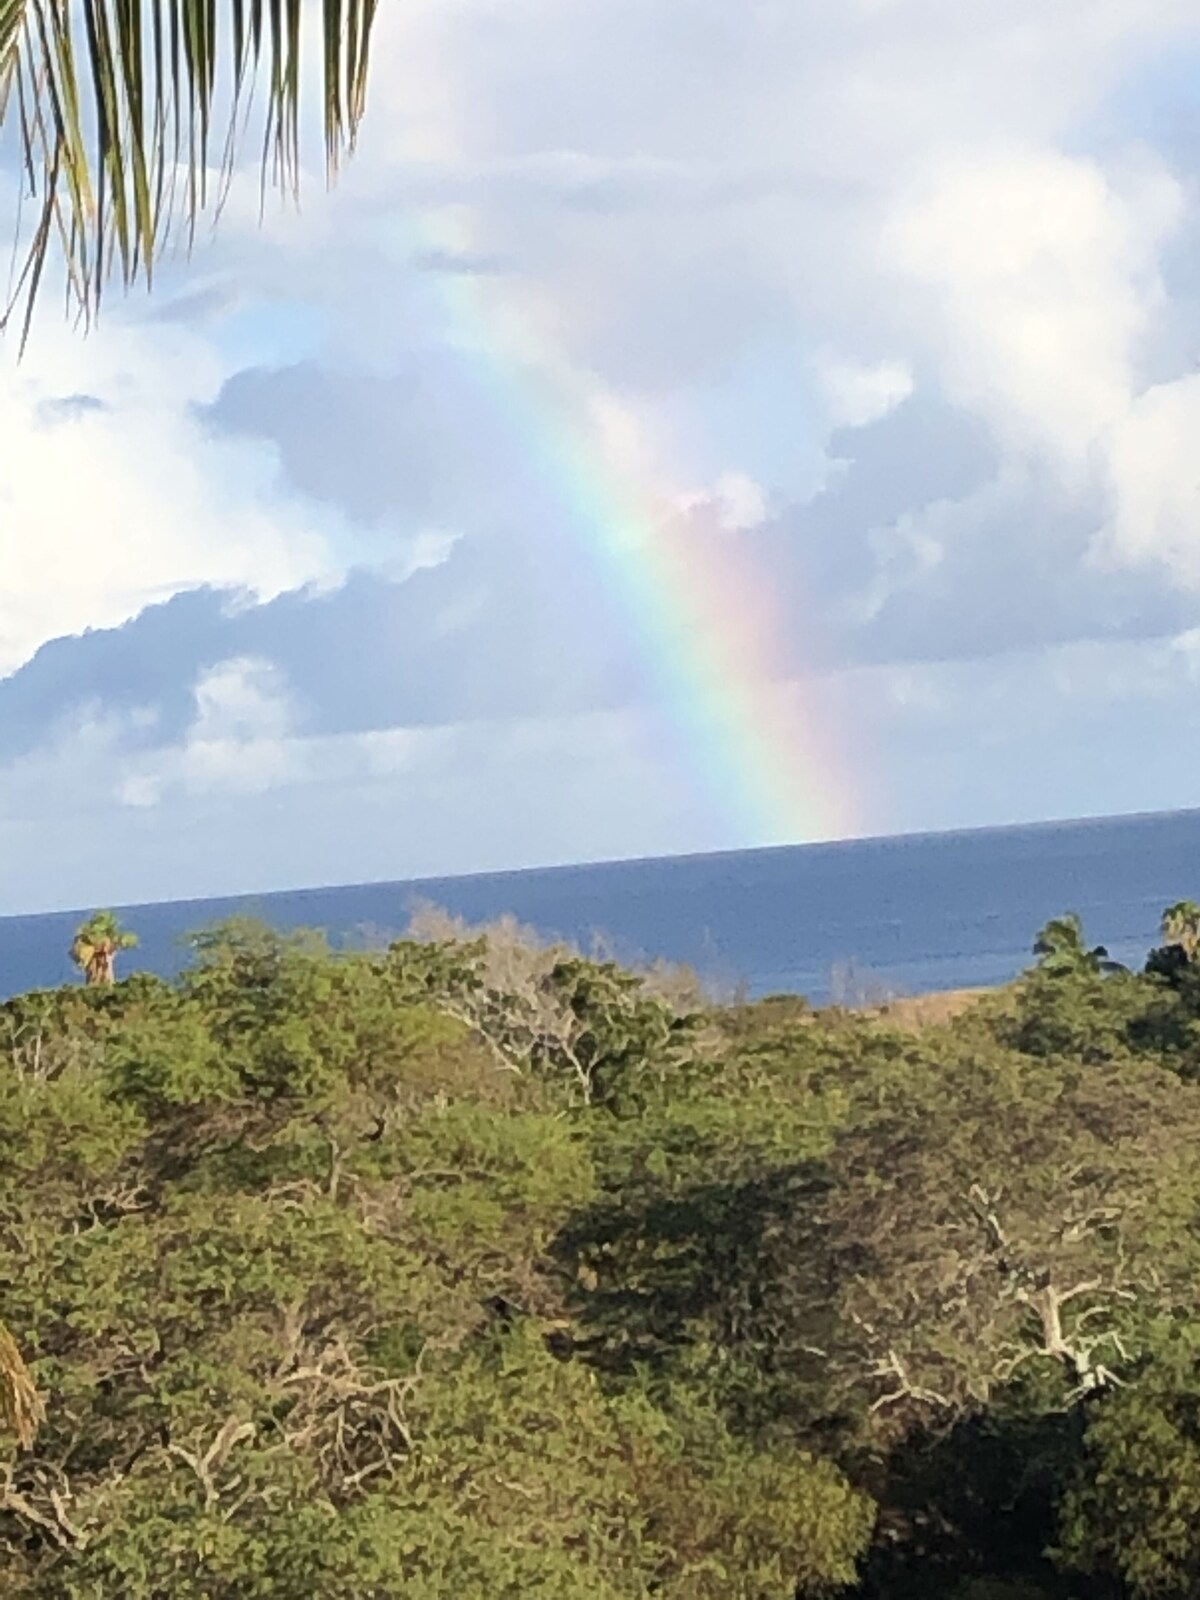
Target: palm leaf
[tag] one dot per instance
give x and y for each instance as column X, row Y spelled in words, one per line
column 116, row 104
column 21, row 1407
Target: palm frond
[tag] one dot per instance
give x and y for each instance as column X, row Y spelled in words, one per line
column 129, row 114
column 22, row 1410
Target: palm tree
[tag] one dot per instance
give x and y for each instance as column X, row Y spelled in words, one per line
column 22, row 1410
column 1062, row 950
column 1180, row 926
column 97, row 944
column 115, row 105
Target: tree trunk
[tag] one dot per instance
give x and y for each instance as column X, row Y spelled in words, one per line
column 102, row 968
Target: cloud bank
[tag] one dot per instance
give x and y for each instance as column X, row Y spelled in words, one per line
column 894, row 303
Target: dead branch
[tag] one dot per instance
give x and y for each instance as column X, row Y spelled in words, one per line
column 55, row 1520
column 891, row 1366
column 206, row 1467
column 355, row 1423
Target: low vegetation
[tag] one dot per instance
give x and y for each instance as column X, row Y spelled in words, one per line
column 475, row 1268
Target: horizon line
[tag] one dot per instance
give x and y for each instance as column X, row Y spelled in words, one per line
column 612, row 862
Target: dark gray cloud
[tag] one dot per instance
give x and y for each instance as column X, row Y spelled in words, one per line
column 425, row 446
column 915, row 552
column 922, row 550
column 69, row 406
column 477, row 638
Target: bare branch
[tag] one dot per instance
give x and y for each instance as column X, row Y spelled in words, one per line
column 206, row 1467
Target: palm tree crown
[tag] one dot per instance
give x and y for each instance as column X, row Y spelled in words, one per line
column 97, row 944
column 1181, row 926
column 1063, row 951
column 115, row 104
column 22, row 1409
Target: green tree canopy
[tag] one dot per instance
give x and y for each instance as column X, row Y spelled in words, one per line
column 278, row 1244
column 1062, row 950
column 1181, row 926
column 474, row 1266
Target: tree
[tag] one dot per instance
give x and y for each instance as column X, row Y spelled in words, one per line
column 994, row 1218
column 584, row 1023
column 1133, row 1510
column 1062, row 950
column 96, row 945
column 117, row 107
column 1180, row 926
column 277, row 1243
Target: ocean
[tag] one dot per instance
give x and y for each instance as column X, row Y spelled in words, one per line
column 850, row 921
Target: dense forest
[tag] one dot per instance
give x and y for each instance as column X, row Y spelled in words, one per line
column 471, row 1267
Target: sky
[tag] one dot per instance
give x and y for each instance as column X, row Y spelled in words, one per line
column 685, row 426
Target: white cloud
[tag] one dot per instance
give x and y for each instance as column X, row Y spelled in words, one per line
column 108, row 507
column 1038, row 279
column 1151, row 456
column 857, row 393
column 735, row 502
column 239, row 700
column 246, row 739
column 1187, row 653
column 918, row 689
column 904, row 177
column 240, row 741
column 741, row 503
column 1039, row 291
column 339, row 809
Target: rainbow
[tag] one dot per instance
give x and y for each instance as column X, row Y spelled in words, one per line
column 707, row 625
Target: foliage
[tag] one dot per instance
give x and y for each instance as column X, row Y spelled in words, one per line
column 96, row 945
column 478, row 1266
column 278, row 1242
column 1134, row 1509
column 117, row 113
column 1063, row 952
column 604, row 1033
column 1181, row 927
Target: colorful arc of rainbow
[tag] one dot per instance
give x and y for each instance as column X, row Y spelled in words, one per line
column 707, row 627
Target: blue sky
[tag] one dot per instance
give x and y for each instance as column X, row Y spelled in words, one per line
column 896, row 303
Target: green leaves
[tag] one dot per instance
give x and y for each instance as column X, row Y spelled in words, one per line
column 1062, row 951
column 480, row 1267
column 1133, row 1513
column 129, row 116
column 282, row 1246
column 1181, row 926
column 96, row 945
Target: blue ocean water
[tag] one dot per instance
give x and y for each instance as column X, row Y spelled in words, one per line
column 905, row 915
